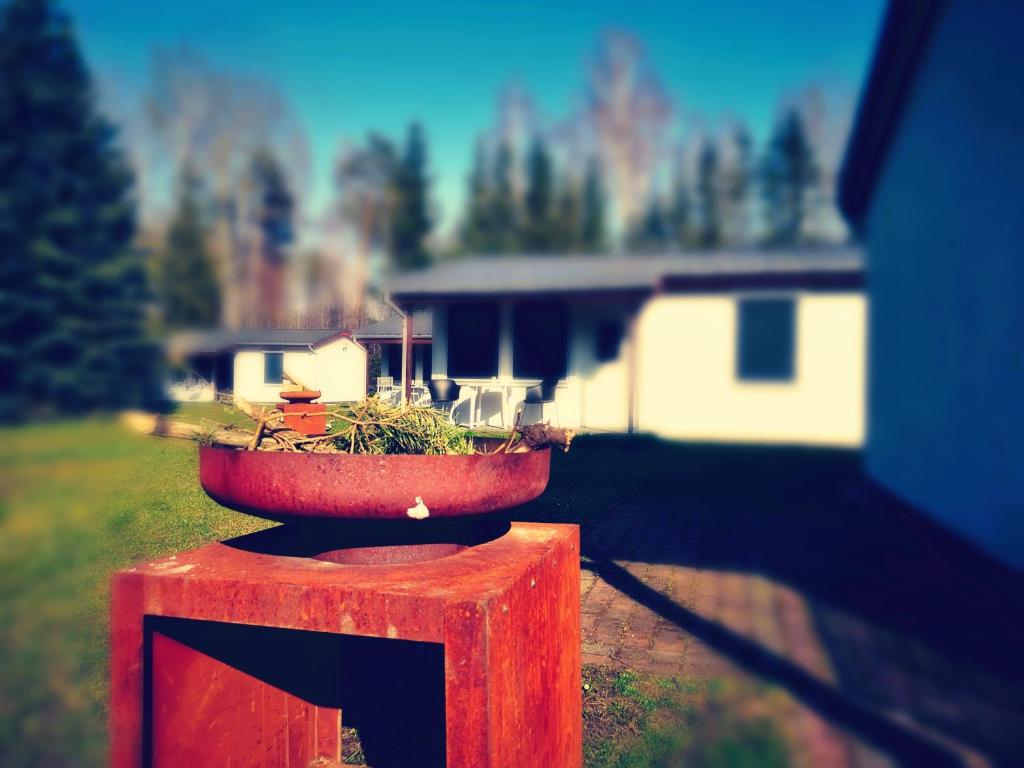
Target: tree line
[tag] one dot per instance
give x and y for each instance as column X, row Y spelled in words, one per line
column 764, row 201
column 74, row 290
column 93, row 271
column 604, row 179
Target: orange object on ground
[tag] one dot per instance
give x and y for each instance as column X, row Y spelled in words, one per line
column 302, row 414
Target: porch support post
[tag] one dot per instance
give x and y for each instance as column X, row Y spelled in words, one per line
column 505, row 332
column 439, row 344
column 632, row 355
column 407, row 358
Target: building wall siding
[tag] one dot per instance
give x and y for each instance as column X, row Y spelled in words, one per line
column 688, row 387
column 604, row 385
column 337, row 369
column 686, row 383
column 945, row 233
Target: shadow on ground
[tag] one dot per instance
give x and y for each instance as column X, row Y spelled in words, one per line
column 923, row 631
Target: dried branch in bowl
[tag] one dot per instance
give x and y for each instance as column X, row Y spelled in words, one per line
column 533, row 437
column 367, row 427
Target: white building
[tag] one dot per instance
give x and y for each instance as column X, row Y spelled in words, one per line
column 252, row 364
column 749, row 346
column 932, row 179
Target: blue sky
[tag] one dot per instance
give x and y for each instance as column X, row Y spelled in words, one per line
column 351, row 67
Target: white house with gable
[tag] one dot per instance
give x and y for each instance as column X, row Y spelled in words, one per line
column 252, row 364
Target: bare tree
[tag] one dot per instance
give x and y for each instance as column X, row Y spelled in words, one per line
column 217, row 121
column 826, row 112
column 364, row 178
column 516, row 125
column 630, row 113
column 737, row 169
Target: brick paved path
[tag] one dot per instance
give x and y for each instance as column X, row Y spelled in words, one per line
column 894, row 642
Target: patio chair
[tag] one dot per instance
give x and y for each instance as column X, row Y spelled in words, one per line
column 385, row 387
column 540, row 395
column 420, row 394
column 444, row 393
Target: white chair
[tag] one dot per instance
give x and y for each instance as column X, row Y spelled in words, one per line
column 385, row 387
column 480, row 398
column 420, row 395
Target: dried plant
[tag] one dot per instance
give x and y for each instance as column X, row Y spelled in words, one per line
column 374, row 427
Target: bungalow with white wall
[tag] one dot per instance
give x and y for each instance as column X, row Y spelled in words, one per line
column 732, row 346
column 252, row 364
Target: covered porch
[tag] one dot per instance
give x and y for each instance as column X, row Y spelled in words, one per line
column 388, row 336
column 502, row 326
column 498, row 347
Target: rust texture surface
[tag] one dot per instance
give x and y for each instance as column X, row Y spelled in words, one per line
column 296, row 485
column 244, row 720
column 506, row 613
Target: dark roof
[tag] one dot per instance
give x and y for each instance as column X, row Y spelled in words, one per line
column 391, row 327
column 490, row 276
column 193, row 342
column 904, row 40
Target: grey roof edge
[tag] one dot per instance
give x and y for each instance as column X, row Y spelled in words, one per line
column 391, row 327
column 222, row 340
column 515, row 275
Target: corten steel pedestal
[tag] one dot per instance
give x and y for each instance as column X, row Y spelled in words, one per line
column 505, row 614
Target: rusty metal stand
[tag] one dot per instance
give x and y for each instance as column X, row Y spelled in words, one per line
column 502, row 615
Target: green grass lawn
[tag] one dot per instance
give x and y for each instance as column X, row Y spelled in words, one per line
column 78, row 500
column 81, row 499
column 197, row 413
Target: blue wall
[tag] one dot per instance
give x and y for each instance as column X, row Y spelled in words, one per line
column 946, row 273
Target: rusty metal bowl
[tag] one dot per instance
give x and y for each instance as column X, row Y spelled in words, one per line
column 289, row 486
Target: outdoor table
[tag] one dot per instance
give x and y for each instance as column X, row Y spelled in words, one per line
column 504, row 388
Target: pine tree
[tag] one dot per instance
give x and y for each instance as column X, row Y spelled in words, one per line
column 410, row 220
column 678, row 217
column 738, row 183
column 710, row 233
column 789, row 174
column 538, row 236
column 273, row 214
column 186, row 280
column 592, row 214
column 274, row 204
column 72, row 290
column 567, row 219
column 476, row 232
column 504, row 208
column 650, row 234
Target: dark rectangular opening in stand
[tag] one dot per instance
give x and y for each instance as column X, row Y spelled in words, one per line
column 391, row 692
